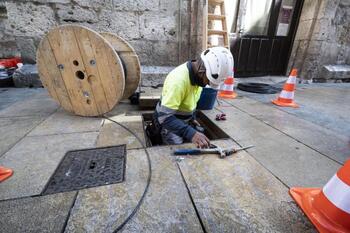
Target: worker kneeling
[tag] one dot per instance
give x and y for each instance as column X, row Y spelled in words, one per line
column 175, row 113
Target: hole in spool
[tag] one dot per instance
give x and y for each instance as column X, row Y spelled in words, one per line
column 80, row 75
column 88, row 101
column 75, row 62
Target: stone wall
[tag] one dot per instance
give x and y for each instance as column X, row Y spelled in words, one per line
column 161, row 31
column 322, row 37
column 8, row 46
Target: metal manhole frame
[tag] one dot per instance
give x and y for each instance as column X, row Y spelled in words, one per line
column 80, row 150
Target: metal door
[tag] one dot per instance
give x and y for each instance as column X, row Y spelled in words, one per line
column 265, row 32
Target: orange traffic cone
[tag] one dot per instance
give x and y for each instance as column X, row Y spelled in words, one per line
column 286, row 98
column 226, row 90
column 5, row 173
column 327, row 208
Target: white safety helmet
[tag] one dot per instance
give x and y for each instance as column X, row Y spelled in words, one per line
column 218, row 62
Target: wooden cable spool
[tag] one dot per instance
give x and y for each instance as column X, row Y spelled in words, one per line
column 83, row 72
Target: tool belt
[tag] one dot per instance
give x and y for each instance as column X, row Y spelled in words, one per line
column 153, row 131
column 153, row 128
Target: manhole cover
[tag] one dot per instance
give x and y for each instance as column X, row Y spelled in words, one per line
column 88, row 168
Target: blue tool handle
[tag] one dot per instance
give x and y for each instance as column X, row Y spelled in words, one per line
column 187, row 152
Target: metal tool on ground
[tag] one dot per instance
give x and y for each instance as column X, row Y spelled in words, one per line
column 214, row 150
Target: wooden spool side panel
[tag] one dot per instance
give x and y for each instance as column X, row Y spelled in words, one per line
column 65, row 49
column 88, row 54
column 51, row 77
column 46, row 81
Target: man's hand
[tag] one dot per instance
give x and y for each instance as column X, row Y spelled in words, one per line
column 200, row 140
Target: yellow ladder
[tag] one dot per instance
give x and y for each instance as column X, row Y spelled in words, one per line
column 212, row 4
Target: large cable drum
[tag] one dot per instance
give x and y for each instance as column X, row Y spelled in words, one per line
column 81, row 70
column 130, row 62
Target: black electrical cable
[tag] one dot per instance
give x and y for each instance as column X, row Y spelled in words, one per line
column 261, row 88
column 148, row 178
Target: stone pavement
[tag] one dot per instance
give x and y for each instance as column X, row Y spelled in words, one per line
column 247, row 192
column 323, row 104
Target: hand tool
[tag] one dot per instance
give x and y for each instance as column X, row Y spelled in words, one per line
column 216, row 150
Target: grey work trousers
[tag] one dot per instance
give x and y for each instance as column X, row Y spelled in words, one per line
column 170, row 138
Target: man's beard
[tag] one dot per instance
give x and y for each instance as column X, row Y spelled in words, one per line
column 199, row 82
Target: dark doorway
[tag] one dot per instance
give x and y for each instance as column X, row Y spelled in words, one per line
column 265, row 31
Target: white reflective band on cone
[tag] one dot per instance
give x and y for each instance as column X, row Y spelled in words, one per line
column 292, row 79
column 338, row 193
column 226, row 87
column 287, row 94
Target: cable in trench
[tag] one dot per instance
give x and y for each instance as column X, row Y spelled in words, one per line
column 139, row 203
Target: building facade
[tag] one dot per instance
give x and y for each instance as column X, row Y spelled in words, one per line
column 310, row 35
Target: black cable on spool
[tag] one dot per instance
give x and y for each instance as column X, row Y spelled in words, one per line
column 261, row 88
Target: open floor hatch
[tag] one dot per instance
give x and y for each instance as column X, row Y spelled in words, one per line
column 211, row 130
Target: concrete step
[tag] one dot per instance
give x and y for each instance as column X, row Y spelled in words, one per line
column 154, row 75
column 27, row 76
column 334, row 73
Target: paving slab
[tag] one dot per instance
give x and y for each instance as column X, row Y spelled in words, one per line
column 325, row 141
column 237, row 194
column 13, row 129
column 30, row 107
column 62, row 122
column 113, row 134
column 291, row 161
column 323, row 104
column 36, row 214
column 34, row 159
column 8, row 96
column 121, row 108
column 166, row 208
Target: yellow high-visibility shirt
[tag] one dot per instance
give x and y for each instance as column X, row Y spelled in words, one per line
column 178, row 93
